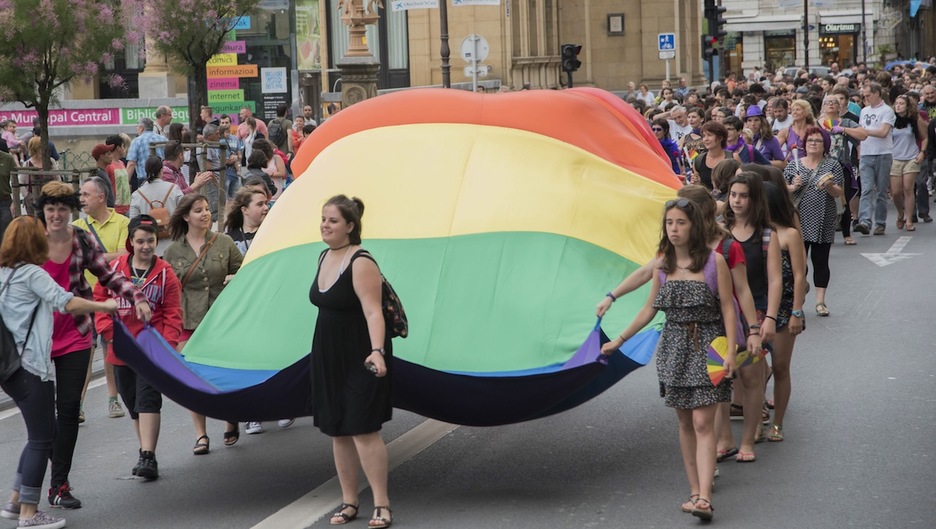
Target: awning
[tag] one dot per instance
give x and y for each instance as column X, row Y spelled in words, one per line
column 763, row 23
column 852, row 16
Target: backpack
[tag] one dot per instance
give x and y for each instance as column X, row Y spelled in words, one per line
column 161, row 214
column 276, row 132
column 9, row 350
column 395, row 317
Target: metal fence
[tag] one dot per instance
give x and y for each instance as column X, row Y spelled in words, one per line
column 26, row 183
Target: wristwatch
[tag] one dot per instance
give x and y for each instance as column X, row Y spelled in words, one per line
column 798, row 313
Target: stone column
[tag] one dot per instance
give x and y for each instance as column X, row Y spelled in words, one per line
column 155, row 80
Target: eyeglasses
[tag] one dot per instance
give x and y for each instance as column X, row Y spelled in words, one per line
column 814, row 141
column 681, row 203
column 656, row 129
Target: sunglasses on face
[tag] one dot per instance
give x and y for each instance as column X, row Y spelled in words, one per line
column 814, row 141
column 656, row 129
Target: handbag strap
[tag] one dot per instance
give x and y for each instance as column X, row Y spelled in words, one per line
column 96, row 236
column 201, row 255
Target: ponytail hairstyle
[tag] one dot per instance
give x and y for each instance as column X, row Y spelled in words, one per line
column 351, row 209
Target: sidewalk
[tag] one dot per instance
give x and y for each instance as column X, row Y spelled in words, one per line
column 97, row 371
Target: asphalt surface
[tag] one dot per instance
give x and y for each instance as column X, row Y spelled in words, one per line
column 859, row 449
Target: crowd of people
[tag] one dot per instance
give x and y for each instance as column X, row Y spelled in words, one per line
column 62, row 283
column 773, row 167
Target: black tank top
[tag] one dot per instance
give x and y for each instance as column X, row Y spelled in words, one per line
column 756, row 267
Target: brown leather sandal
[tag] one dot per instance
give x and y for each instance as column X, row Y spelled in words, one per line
column 342, row 516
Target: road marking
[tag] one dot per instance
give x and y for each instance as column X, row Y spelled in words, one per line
column 322, row 500
column 15, row 410
column 892, row 255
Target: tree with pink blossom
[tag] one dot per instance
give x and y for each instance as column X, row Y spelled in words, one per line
column 189, row 33
column 47, row 44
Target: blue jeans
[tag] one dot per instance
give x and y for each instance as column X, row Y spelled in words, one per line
column 233, row 182
column 36, row 402
column 874, row 170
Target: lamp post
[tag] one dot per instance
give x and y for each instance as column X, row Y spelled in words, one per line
column 444, row 51
column 806, row 31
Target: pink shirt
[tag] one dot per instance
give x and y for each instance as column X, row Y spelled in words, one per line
column 65, row 336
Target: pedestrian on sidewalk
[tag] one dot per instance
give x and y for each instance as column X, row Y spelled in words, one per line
column 29, row 297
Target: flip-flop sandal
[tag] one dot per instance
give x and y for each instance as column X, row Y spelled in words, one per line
column 746, row 457
column 910, row 227
column 231, row 438
column 849, row 241
column 725, row 454
column 822, row 309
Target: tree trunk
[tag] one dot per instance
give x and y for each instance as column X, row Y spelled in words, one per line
column 198, row 94
column 42, row 107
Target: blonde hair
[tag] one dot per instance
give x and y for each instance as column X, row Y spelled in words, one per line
column 34, row 146
column 806, row 108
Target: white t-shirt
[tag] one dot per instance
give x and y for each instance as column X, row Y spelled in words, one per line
column 778, row 125
column 873, row 118
column 155, row 191
column 676, row 132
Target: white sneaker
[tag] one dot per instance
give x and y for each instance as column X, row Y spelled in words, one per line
column 254, row 427
column 285, row 423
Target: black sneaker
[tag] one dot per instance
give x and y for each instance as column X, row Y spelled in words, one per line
column 139, row 463
column 148, row 468
column 61, row 497
column 927, row 218
column 862, row 228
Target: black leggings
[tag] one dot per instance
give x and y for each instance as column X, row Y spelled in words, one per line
column 847, row 214
column 819, row 255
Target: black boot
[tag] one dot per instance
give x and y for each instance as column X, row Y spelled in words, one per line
column 136, row 468
column 149, row 469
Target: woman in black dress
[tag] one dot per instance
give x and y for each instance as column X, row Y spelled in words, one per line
column 351, row 358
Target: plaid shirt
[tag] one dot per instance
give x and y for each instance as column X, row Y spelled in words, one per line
column 97, row 265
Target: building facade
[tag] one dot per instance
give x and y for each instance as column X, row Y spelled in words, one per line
column 775, row 34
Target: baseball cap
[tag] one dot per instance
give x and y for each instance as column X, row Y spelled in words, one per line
column 100, row 149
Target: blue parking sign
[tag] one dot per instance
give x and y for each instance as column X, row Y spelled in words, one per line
column 666, row 41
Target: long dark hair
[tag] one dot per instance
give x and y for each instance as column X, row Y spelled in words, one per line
column 780, row 205
column 759, row 215
column 698, row 240
column 178, row 227
column 910, row 119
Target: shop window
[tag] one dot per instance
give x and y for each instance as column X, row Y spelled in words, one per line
column 779, row 49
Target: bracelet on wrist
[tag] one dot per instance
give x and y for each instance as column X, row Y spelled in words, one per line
column 755, row 326
column 612, row 296
column 379, row 350
column 772, row 318
column 621, row 336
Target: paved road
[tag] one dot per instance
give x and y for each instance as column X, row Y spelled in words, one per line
column 860, row 449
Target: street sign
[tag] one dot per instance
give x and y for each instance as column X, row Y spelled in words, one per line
column 482, row 70
column 664, row 55
column 474, row 48
column 666, row 42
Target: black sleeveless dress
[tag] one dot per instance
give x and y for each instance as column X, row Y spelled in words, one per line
column 347, row 399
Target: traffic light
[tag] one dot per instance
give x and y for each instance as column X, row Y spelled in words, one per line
column 715, row 14
column 570, row 62
column 708, row 46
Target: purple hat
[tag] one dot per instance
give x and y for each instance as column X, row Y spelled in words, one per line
column 753, row 111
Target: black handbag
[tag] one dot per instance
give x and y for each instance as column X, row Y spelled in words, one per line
column 9, row 351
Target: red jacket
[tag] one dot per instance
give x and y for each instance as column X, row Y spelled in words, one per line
column 164, row 293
